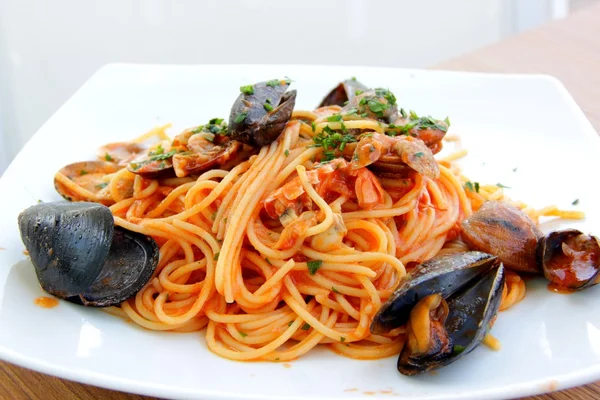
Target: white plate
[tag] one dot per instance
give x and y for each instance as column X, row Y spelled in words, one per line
column 549, row 341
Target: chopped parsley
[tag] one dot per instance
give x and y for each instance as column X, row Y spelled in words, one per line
column 313, row 266
column 419, row 154
column 83, row 172
column 155, row 157
column 286, row 152
column 575, row 202
column 248, row 89
column 102, row 185
column 416, row 122
column 213, row 216
column 242, row 334
column 305, row 327
column 159, row 150
column 342, row 339
column 216, row 121
column 472, row 186
column 502, row 186
column 268, row 107
column 353, row 78
column 334, row 118
column 268, row 261
column 358, row 92
column 290, row 323
column 313, row 126
column 274, row 82
column 330, row 140
column 240, row 117
column 457, row 349
column 217, row 255
column 107, row 157
column 335, row 290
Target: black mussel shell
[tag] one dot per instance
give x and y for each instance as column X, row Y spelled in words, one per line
column 343, row 92
column 259, row 116
column 132, row 259
column 80, row 256
column 68, row 244
column 570, row 259
column 471, row 315
column 444, row 275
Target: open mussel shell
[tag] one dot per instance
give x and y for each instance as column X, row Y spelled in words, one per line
column 444, row 275
column 570, row 259
column 259, row 117
column 342, row 93
column 471, row 315
column 80, row 256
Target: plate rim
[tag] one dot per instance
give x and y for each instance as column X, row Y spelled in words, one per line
column 112, row 382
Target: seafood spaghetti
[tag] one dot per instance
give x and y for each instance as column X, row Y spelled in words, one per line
column 283, row 230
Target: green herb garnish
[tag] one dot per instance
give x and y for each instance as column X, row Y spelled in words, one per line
column 313, row 266
column 502, row 186
column 273, row 82
column 334, row 118
column 457, row 349
column 286, row 152
column 342, row 339
column 242, row 334
column 248, row 89
column 83, row 172
column 217, row 255
column 335, row 290
column 575, row 202
column 268, row 261
column 305, row 327
column 102, row 185
column 107, row 157
column 240, row 117
column 419, row 154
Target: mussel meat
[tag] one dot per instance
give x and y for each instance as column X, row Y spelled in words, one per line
column 570, row 259
column 449, row 304
column 342, row 93
column 84, row 181
column 80, row 256
column 505, row 231
column 261, row 111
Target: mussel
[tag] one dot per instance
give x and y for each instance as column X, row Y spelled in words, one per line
column 505, row 231
column 342, row 93
column 570, row 259
column 449, row 304
column 80, row 256
column 261, row 111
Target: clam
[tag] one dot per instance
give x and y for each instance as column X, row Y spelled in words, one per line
column 342, row 93
column 120, row 153
column 80, row 256
column 449, row 304
column 378, row 104
column 570, row 259
column 392, row 155
column 261, row 111
column 505, row 231
column 84, row 181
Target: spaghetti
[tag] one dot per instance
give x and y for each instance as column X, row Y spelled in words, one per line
column 265, row 288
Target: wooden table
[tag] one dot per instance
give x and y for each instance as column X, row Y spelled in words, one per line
column 576, row 64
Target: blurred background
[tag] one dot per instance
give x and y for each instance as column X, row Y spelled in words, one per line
column 48, row 49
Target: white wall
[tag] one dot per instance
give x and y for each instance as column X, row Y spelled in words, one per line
column 49, row 48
